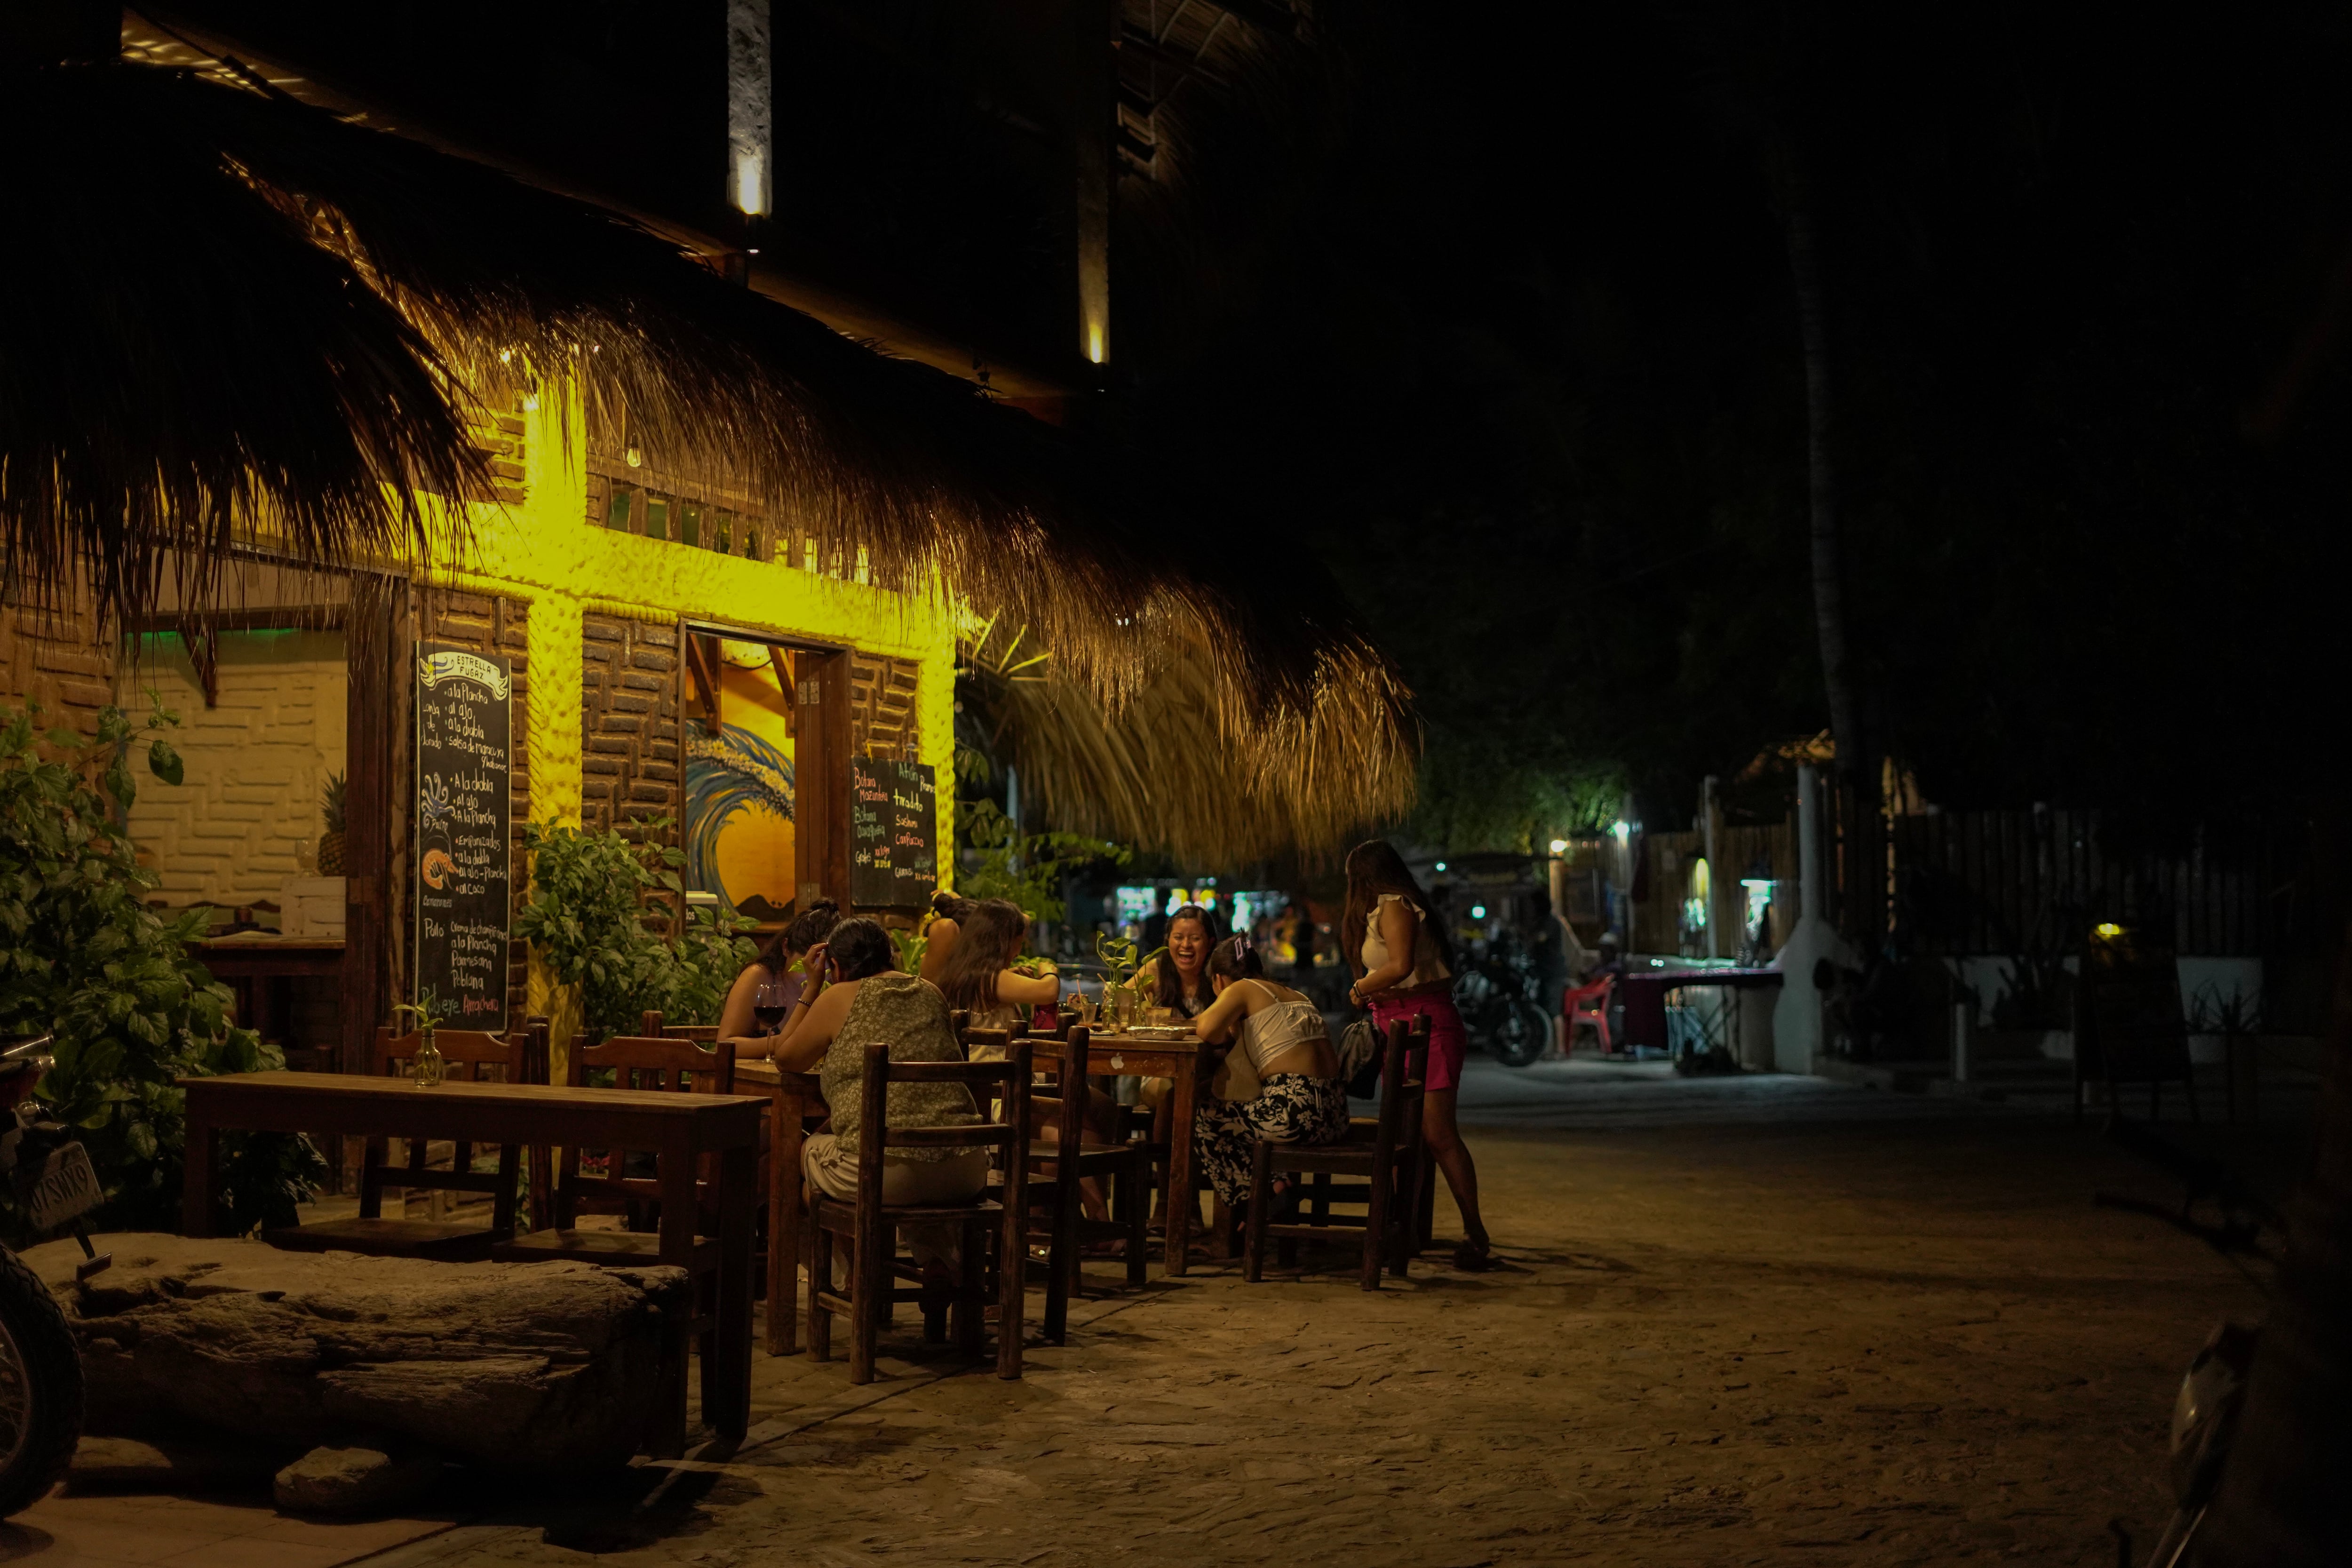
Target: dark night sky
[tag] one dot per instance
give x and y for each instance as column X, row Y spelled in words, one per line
column 1526, row 365
column 1491, row 309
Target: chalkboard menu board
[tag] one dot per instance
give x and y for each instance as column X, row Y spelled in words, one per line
column 894, row 844
column 464, row 871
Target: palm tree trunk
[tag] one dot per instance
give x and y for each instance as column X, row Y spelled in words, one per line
column 1862, row 893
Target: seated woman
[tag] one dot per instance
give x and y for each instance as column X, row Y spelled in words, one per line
column 854, row 999
column 1282, row 1036
column 1179, row 977
column 765, row 993
column 949, row 916
column 979, row 976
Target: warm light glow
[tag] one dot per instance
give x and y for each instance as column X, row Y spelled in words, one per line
column 1559, row 846
column 2107, row 932
column 1097, row 347
column 751, row 183
column 636, row 458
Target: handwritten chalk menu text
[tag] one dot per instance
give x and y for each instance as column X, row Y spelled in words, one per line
column 465, row 895
column 894, row 844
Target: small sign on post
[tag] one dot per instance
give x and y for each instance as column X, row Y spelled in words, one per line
column 893, row 850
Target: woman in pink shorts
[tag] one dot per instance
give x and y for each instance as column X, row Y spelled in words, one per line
column 1403, row 962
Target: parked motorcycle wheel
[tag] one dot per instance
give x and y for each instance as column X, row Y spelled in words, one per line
column 1521, row 1034
column 41, row 1388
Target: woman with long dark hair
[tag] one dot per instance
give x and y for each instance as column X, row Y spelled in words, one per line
column 945, row 929
column 766, row 989
column 1178, row 978
column 1404, row 967
column 979, row 975
column 856, row 997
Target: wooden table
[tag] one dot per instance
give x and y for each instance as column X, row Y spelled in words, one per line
column 793, row 1098
column 253, row 965
column 679, row 1128
column 1188, row 1064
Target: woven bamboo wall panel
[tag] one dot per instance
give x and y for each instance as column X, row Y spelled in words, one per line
column 884, row 719
column 629, row 700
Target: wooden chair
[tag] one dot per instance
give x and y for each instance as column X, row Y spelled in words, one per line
column 469, row 1055
column 646, row 1063
column 1054, row 1190
column 1385, row 1151
column 871, row 1225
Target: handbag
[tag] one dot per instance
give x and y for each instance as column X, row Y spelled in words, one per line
column 1360, row 1058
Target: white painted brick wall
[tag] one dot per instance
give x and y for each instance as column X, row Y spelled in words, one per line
column 257, row 763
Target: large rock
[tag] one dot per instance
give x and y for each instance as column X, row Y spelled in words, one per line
column 529, row 1366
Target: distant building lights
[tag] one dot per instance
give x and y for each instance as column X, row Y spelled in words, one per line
column 1440, row 865
column 2107, row 932
column 1623, row 830
column 1477, row 912
column 1559, row 846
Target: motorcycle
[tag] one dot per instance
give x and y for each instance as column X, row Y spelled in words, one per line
column 1497, row 998
column 40, row 1370
column 2205, row 1411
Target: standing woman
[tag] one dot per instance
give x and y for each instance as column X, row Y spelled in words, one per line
column 765, row 993
column 1404, row 969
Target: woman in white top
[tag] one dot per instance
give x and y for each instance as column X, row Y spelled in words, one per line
column 1404, row 963
column 1283, row 1040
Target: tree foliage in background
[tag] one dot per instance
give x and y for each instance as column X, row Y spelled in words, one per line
column 996, row 861
column 587, row 920
column 82, row 957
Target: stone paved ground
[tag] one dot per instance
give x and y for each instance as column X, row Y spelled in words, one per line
column 1862, row 1333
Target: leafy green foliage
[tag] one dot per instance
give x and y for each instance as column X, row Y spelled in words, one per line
column 997, row 861
column 587, row 919
column 81, row 956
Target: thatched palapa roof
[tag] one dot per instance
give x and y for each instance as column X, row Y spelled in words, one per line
column 227, row 305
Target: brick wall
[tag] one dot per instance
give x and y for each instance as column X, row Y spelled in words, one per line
column 632, row 676
column 255, row 764
column 501, row 627
column 55, row 660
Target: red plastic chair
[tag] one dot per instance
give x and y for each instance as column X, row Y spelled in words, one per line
column 1588, row 1005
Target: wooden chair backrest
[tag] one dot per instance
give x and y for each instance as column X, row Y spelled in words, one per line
column 641, row 1062
column 467, row 1052
column 1005, row 1082
column 1067, row 1107
column 651, row 1023
column 653, row 1062
column 970, row 1038
column 469, row 1055
column 1400, row 1123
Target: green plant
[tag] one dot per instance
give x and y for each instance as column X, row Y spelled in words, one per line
column 587, row 919
column 333, row 804
column 426, row 1007
column 911, row 946
column 82, row 957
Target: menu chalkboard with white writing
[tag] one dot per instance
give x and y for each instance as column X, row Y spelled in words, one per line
column 894, row 847
column 462, row 862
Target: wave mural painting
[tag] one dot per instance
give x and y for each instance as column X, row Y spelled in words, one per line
column 739, row 781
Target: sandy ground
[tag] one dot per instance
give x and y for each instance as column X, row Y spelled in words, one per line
column 1807, row 1325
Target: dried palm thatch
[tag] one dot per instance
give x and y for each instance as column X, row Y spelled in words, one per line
column 254, row 310
column 1172, row 771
